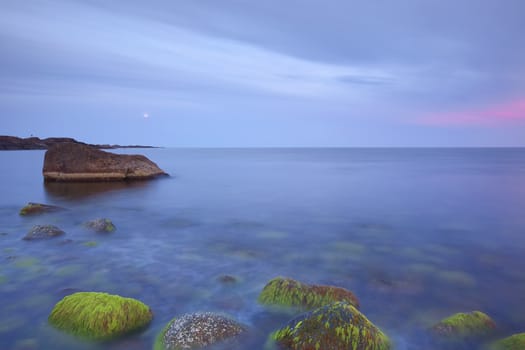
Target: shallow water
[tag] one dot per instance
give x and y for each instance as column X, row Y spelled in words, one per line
column 417, row 234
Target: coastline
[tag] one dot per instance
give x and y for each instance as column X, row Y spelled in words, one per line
column 14, row 143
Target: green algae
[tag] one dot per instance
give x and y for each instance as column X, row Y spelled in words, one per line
column 349, row 247
column 335, row 326
column 458, row 278
column 514, row 342
column 159, row 339
column 288, row 292
column 68, row 271
column 36, row 301
column 99, row 316
column 465, row 325
column 90, row 244
column 277, row 235
column 26, row 344
column 26, row 263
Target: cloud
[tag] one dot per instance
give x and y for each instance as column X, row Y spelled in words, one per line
column 503, row 113
column 83, row 45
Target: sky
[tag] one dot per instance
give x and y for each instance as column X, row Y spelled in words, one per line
column 273, row 73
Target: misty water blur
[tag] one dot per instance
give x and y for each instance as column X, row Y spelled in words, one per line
column 417, row 234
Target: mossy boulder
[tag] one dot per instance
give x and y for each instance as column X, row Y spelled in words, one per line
column 197, row 330
column 99, row 316
column 39, row 232
column 464, row 326
column 289, row 292
column 514, row 342
column 337, row 326
column 38, row 208
column 101, row 225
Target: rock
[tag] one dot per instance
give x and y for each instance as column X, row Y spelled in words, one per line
column 227, row 279
column 71, row 162
column 514, row 342
column 99, row 316
column 289, row 292
column 39, row 232
column 336, row 326
column 101, row 225
column 197, row 330
column 38, row 208
column 464, row 326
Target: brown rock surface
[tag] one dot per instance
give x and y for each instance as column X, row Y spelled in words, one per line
column 70, row 162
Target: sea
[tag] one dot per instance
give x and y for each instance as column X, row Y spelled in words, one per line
column 417, row 234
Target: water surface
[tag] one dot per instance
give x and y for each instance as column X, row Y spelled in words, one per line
column 417, row 234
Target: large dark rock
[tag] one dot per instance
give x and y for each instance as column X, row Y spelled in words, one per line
column 70, row 162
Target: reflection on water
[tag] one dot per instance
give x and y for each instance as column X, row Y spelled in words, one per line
column 81, row 190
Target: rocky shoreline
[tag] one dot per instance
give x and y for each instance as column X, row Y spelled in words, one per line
column 13, row 143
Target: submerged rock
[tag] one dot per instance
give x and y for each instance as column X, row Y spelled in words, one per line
column 38, row 208
column 514, row 342
column 337, row 326
column 101, row 225
column 227, row 279
column 70, row 162
column 99, row 316
column 197, row 330
column 464, row 326
column 289, row 292
column 40, row 232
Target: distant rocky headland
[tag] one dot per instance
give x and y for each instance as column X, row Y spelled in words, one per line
column 11, row 143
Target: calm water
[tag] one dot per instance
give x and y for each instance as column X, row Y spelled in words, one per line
column 417, row 234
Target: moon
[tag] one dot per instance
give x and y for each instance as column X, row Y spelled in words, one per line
column 146, row 115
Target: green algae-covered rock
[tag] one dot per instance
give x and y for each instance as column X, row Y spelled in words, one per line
column 514, row 342
column 197, row 330
column 289, row 292
column 337, row 326
column 40, row 232
column 460, row 326
column 38, row 208
column 101, row 225
column 99, row 316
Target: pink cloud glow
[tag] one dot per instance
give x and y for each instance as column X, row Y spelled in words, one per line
column 512, row 111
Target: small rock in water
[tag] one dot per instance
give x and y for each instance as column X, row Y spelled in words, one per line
column 464, row 326
column 99, row 316
column 40, row 232
column 197, row 330
column 289, row 292
column 38, row 208
column 227, row 279
column 65, row 241
column 101, row 225
column 514, row 342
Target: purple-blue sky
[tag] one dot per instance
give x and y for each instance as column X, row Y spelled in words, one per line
column 265, row 73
